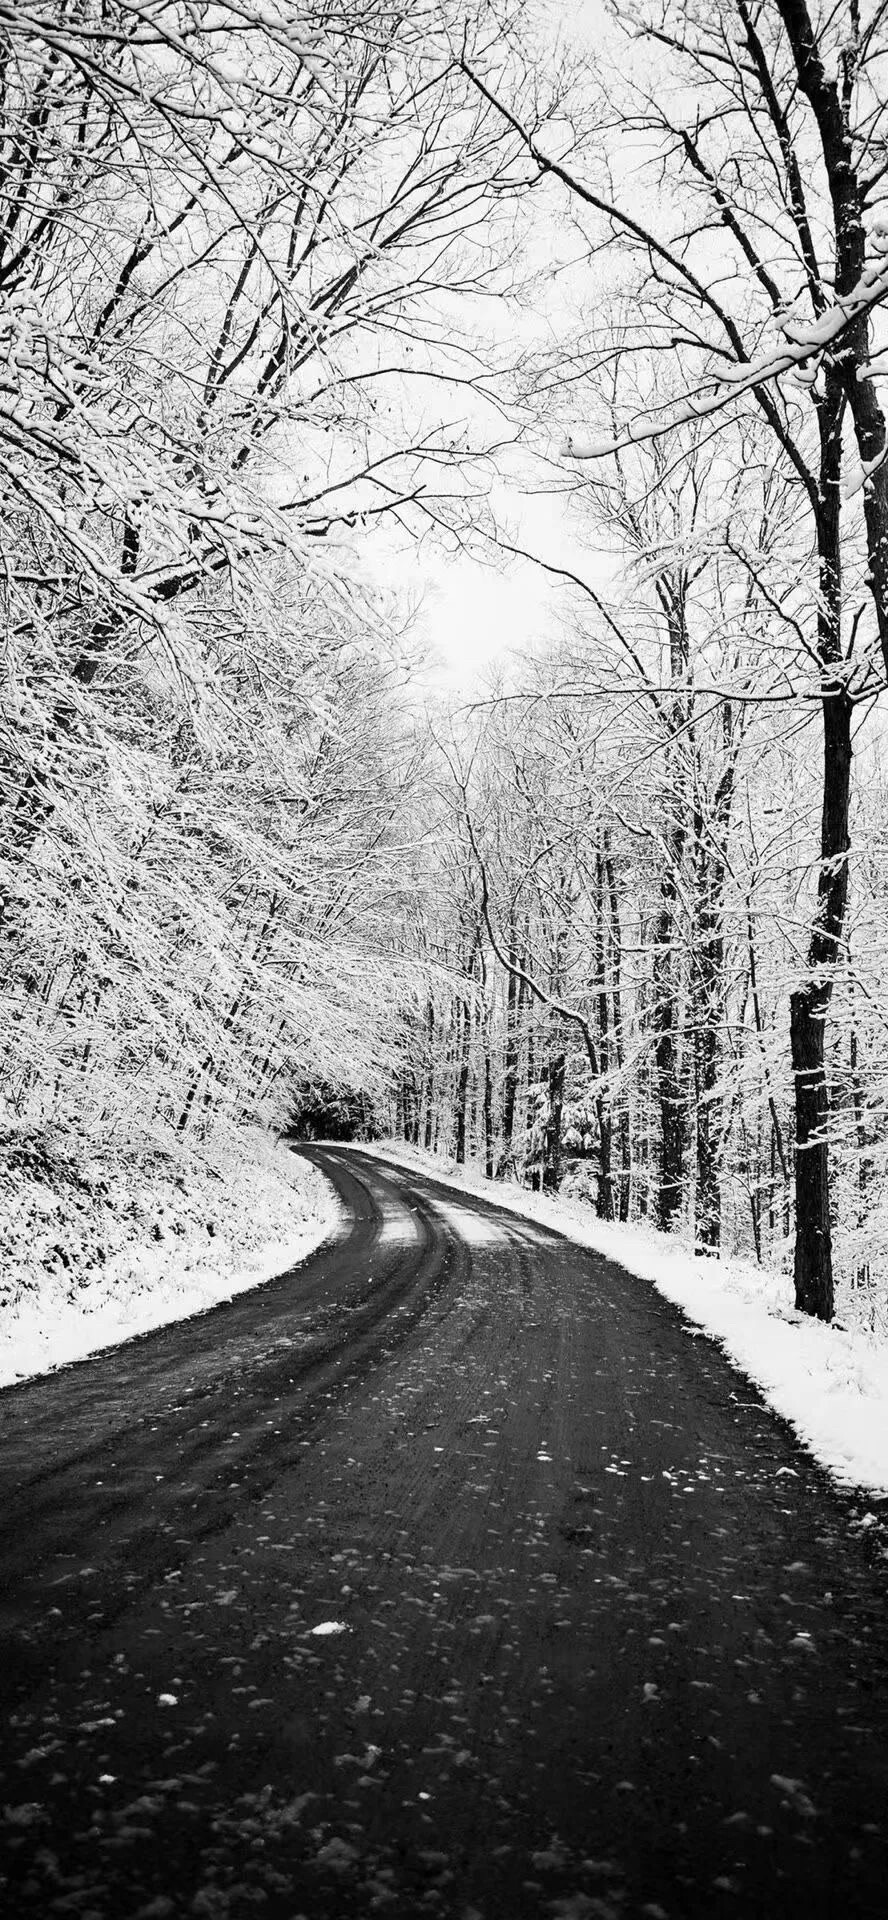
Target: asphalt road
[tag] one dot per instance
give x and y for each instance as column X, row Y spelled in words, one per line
column 605, row 1643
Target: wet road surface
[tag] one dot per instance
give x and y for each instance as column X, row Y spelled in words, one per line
column 448, row 1575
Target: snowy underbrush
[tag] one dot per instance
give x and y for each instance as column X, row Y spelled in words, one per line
column 100, row 1243
column 829, row 1382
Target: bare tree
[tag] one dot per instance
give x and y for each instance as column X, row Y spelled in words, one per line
column 732, row 294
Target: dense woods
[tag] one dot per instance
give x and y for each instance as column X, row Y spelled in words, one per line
column 280, row 283
column 217, row 228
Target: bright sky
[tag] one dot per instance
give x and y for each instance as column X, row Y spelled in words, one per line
column 476, row 608
column 472, row 616
column 475, row 613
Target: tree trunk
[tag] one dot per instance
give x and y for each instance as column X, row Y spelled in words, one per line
column 672, row 592
column 513, row 1046
column 530, row 1066
column 708, row 996
column 828, row 86
column 809, row 1005
column 488, row 1109
column 673, row 1118
column 813, row 1243
column 464, row 1045
column 428, row 1134
column 624, row 1127
column 552, row 1147
column 707, row 1222
column 864, row 1162
column 605, row 1202
column 847, row 378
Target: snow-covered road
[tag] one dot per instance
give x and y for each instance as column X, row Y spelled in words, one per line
column 444, row 1576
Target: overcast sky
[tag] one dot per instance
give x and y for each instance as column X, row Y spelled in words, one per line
column 474, row 608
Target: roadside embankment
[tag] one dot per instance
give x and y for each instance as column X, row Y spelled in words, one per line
column 100, row 1244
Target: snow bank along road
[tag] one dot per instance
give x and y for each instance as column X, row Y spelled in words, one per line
column 447, row 1575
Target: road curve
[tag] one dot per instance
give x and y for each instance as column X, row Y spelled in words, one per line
column 597, row 1643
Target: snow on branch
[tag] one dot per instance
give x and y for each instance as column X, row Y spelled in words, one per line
column 803, row 343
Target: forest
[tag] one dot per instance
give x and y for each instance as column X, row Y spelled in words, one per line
column 292, row 296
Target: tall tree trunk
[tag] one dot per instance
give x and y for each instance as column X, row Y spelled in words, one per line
column 708, row 997
column 430, row 1077
column 829, row 85
column 464, row 1044
column 616, row 950
column 605, row 1204
column 513, row 1048
column 864, row 1162
column 809, row 1004
column 829, row 88
column 489, row 1157
column 672, row 588
column 485, row 1036
column 670, row 1092
column 530, row 1060
column 778, row 1150
column 809, row 1008
column 464, row 1047
column 707, row 1217
column 551, row 1179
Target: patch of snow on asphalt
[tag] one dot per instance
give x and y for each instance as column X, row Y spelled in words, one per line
column 475, row 1228
column 829, row 1382
column 397, row 1229
column 271, row 1212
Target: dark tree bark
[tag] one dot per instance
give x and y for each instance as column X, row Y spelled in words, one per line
column 513, row 1047
column 670, row 1092
column 707, row 1223
column 464, row 1029
column 616, row 949
column 864, row 1160
column 672, row 593
column 463, row 1050
column 428, row 1134
column 809, row 1007
column 605, row 1207
column 489, row 1157
column 830, row 95
column 485, row 1036
column 809, row 1004
column 778, row 1150
column 552, row 1143
column 708, row 995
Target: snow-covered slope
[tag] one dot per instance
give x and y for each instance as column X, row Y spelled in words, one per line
column 92, row 1253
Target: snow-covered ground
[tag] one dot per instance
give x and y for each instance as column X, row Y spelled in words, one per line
column 92, row 1254
column 829, row 1382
